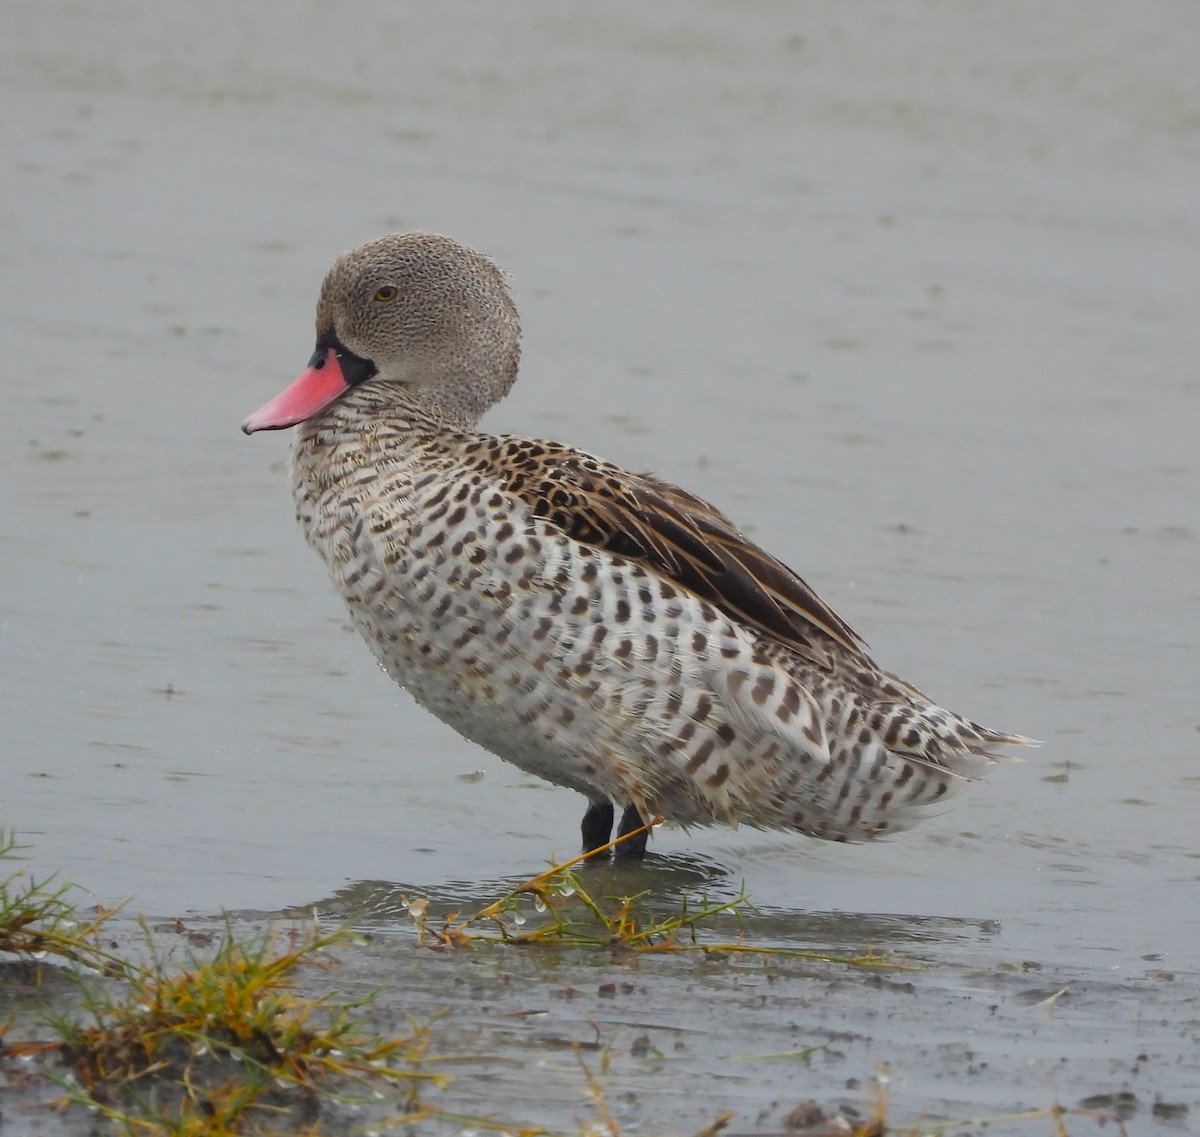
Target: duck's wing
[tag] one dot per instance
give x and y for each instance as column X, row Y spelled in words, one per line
column 678, row 536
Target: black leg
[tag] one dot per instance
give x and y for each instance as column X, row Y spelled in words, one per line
column 597, row 825
column 635, row 847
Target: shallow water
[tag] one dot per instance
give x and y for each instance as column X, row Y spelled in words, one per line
column 907, row 290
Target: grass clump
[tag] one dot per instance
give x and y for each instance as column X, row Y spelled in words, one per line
column 37, row 921
column 226, row 1046
column 221, row 1045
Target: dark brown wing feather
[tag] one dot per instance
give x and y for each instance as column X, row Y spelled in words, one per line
column 678, row 535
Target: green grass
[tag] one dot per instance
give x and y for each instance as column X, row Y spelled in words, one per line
column 38, row 922
column 225, row 1046
column 221, row 1045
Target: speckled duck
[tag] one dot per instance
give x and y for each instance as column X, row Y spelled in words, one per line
column 604, row 630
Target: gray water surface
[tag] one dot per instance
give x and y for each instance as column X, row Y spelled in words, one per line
column 909, row 290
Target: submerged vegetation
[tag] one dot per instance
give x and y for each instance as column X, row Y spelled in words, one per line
column 565, row 913
column 229, row 1040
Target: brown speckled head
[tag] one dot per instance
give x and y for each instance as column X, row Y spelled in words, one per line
column 428, row 312
column 414, row 310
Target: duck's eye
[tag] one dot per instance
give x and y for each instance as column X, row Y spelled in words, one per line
column 387, row 292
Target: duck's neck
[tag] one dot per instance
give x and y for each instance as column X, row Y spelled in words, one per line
column 388, row 417
column 393, row 407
